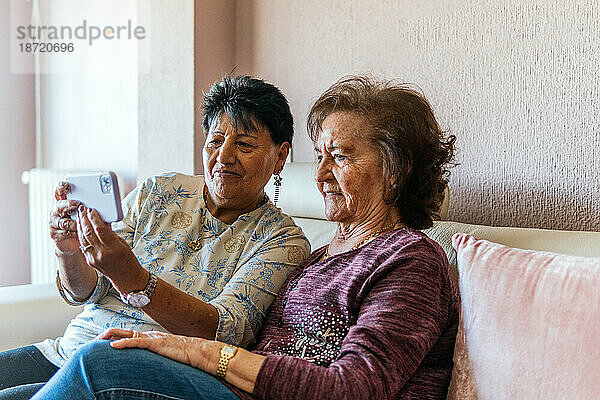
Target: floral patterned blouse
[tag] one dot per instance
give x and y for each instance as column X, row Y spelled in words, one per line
column 237, row 268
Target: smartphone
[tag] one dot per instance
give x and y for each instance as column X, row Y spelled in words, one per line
column 98, row 191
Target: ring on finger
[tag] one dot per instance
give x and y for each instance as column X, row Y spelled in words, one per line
column 63, row 222
column 65, row 214
column 85, row 248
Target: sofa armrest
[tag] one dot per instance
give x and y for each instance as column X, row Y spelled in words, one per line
column 32, row 313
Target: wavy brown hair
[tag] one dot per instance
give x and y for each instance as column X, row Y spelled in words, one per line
column 414, row 151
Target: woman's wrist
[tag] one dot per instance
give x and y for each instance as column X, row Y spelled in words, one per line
column 66, row 254
column 130, row 279
column 243, row 369
column 69, row 297
column 77, row 278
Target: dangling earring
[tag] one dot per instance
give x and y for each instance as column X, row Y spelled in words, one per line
column 277, row 184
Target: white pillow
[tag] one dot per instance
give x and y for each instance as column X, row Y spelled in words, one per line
column 531, row 321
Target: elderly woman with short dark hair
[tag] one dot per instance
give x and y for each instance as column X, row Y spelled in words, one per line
column 372, row 315
column 200, row 256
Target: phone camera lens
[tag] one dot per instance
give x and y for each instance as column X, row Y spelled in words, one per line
column 106, row 183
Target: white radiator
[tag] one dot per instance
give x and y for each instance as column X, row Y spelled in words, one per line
column 42, row 183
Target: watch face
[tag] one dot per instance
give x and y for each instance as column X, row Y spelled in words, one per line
column 229, row 350
column 138, row 300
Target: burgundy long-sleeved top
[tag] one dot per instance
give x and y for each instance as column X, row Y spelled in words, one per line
column 378, row 322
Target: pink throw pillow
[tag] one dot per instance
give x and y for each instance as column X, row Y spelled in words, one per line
column 531, row 321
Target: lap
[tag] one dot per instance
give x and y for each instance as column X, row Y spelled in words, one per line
column 136, row 373
column 21, row 392
column 24, row 365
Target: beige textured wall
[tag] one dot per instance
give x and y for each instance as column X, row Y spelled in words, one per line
column 191, row 46
column 516, row 81
column 214, row 55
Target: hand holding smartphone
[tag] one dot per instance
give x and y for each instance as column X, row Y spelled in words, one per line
column 98, row 191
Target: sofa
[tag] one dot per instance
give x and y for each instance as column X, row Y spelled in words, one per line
column 31, row 313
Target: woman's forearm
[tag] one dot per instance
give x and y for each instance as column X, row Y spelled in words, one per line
column 174, row 310
column 76, row 276
column 203, row 354
column 243, row 370
column 181, row 313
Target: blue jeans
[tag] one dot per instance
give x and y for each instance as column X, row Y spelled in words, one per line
column 97, row 371
column 22, row 372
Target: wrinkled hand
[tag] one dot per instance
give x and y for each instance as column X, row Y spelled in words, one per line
column 197, row 352
column 105, row 250
column 63, row 230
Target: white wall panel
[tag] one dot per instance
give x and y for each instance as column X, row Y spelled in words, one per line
column 89, row 116
column 17, row 154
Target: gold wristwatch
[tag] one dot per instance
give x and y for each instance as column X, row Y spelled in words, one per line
column 227, row 353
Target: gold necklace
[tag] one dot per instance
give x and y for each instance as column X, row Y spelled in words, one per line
column 365, row 240
column 196, row 245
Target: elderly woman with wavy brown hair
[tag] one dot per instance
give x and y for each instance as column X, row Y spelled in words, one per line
column 374, row 314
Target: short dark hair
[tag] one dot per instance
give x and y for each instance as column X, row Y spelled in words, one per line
column 243, row 99
column 415, row 153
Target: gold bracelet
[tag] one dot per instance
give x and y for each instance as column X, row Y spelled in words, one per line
column 227, row 353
